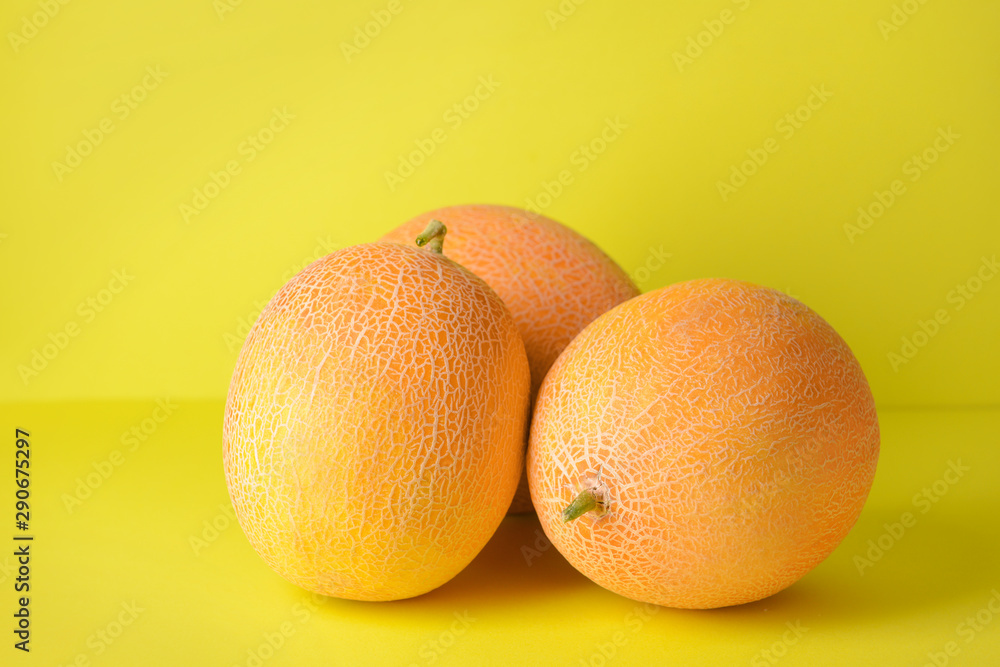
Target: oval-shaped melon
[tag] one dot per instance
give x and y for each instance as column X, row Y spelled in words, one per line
column 553, row 279
column 716, row 440
column 375, row 420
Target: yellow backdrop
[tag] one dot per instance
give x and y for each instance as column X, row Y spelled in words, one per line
column 167, row 166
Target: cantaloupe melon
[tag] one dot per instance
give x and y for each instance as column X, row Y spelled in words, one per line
column 702, row 445
column 375, row 422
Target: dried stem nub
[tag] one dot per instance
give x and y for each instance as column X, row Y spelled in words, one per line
column 433, row 236
column 585, row 501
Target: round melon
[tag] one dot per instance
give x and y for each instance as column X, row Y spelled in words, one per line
column 375, row 421
column 702, row 445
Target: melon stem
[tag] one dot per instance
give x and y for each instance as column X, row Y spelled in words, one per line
column 584, row 502
column 433, row 236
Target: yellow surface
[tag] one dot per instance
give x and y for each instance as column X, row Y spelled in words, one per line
column 175, row 328
column 114, row 290
column 209, row 602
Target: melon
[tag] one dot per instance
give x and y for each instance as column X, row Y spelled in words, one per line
column 702, row 445
column 374, row 426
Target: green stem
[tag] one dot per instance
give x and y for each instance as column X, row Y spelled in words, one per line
column 433, row 236
column 585, row 502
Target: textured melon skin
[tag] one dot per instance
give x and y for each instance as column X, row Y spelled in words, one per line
column 730, row 432
column 374, row 426
column 554, row 281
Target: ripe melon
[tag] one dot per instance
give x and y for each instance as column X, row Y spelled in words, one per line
column 702, row 445
column 553, row 280
column 374, row 427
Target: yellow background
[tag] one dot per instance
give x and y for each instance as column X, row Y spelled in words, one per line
column 174, row 330
column 322, row 178
column 145, row 536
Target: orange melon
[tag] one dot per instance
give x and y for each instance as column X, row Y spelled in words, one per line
column 375, row 420
column 702, row 445
column 553, row 280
